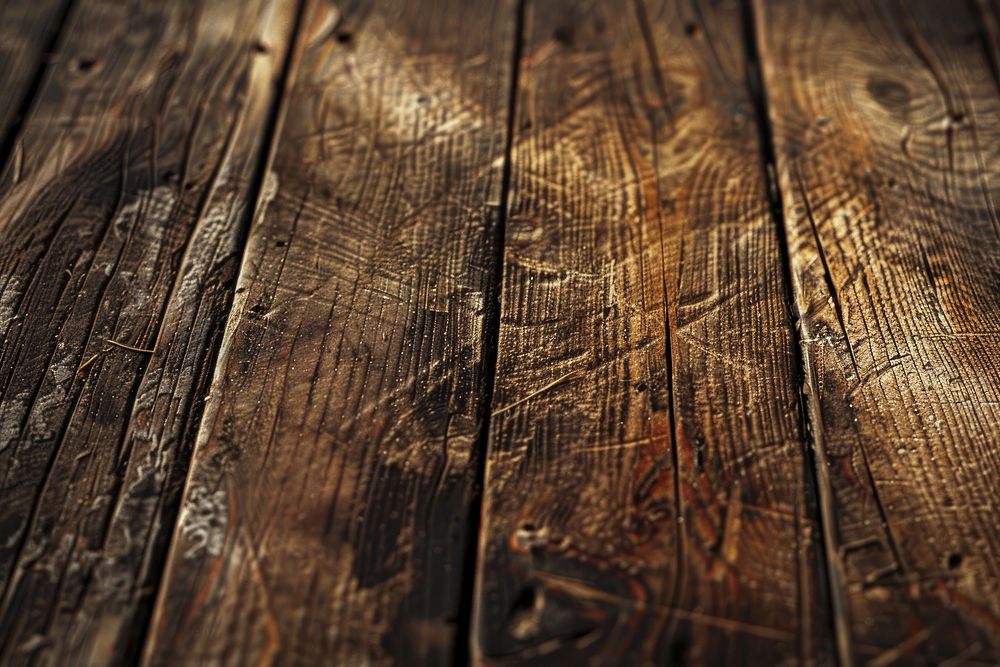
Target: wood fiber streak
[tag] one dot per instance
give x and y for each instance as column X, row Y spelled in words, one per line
column 646, row 498
column 325, row 520
column 120, row 228
column 886, row 123
column 26, row 30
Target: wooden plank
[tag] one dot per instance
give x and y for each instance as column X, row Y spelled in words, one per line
column 122, row 222
column 27, row 31
column 646, row 489
column 325, row 518
column 886, row 125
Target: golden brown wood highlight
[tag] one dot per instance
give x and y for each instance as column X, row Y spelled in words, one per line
column 499, row 332
column 886, row 133
column 646, row 497
column 326, row 514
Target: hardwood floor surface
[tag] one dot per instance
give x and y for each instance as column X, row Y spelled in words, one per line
column 500, row 332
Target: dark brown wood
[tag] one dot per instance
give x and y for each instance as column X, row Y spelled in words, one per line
column 745, row 373
column 646, row 492
column 121, row 222
column 325, row 518
column 886, row 132
column 27, row 31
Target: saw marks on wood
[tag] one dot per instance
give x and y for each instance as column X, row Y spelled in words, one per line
column 499, row 332
column 887, row 129
column 123, row 214
column 645, row 497
column 326, row 518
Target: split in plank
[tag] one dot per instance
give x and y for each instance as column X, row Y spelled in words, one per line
column 326, row 517
column 123, row 218
column 647, row 495
column 886, row 122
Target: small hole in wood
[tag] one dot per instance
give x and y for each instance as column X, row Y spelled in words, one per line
column 691, row 29
column 641, row 387
column 954, row 561
column 261, row 47
column 699, row 460
column 957, row 118
column 525, row 600
column 344, row 37
column 170, row 176
column 85, row 64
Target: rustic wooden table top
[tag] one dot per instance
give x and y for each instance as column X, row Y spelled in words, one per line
column 502, row 332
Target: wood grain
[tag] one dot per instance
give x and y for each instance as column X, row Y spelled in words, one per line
column 122, row 222
column 27, row 31
column 325, row 520
column 886, row 121
column 646, row 489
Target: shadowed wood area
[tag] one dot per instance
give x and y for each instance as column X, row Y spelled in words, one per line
column 122, row 216
column 646, row 485
column 499, row 332
column 27, row 32
column 886, row 125
column 326, row 516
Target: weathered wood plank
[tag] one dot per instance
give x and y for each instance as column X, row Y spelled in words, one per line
column 646, row 489
column 325, row 518
column 886, row 122
column 27, row 31
column 121, row 222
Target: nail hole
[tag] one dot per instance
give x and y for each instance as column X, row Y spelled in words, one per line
column 958, row 118
column 641, row 387
column 525, row 600
column 344, row 37
column 691, row 29
column 261, row 47
column 85, row 64
column 954, row 561
column 699, row 460
column 170, row 176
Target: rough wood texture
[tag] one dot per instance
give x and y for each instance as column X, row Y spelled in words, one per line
column 27, row 30
column 646, row 498
column 887, row 132
column 745, row 376
column 121, row 223
column 325, row 518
